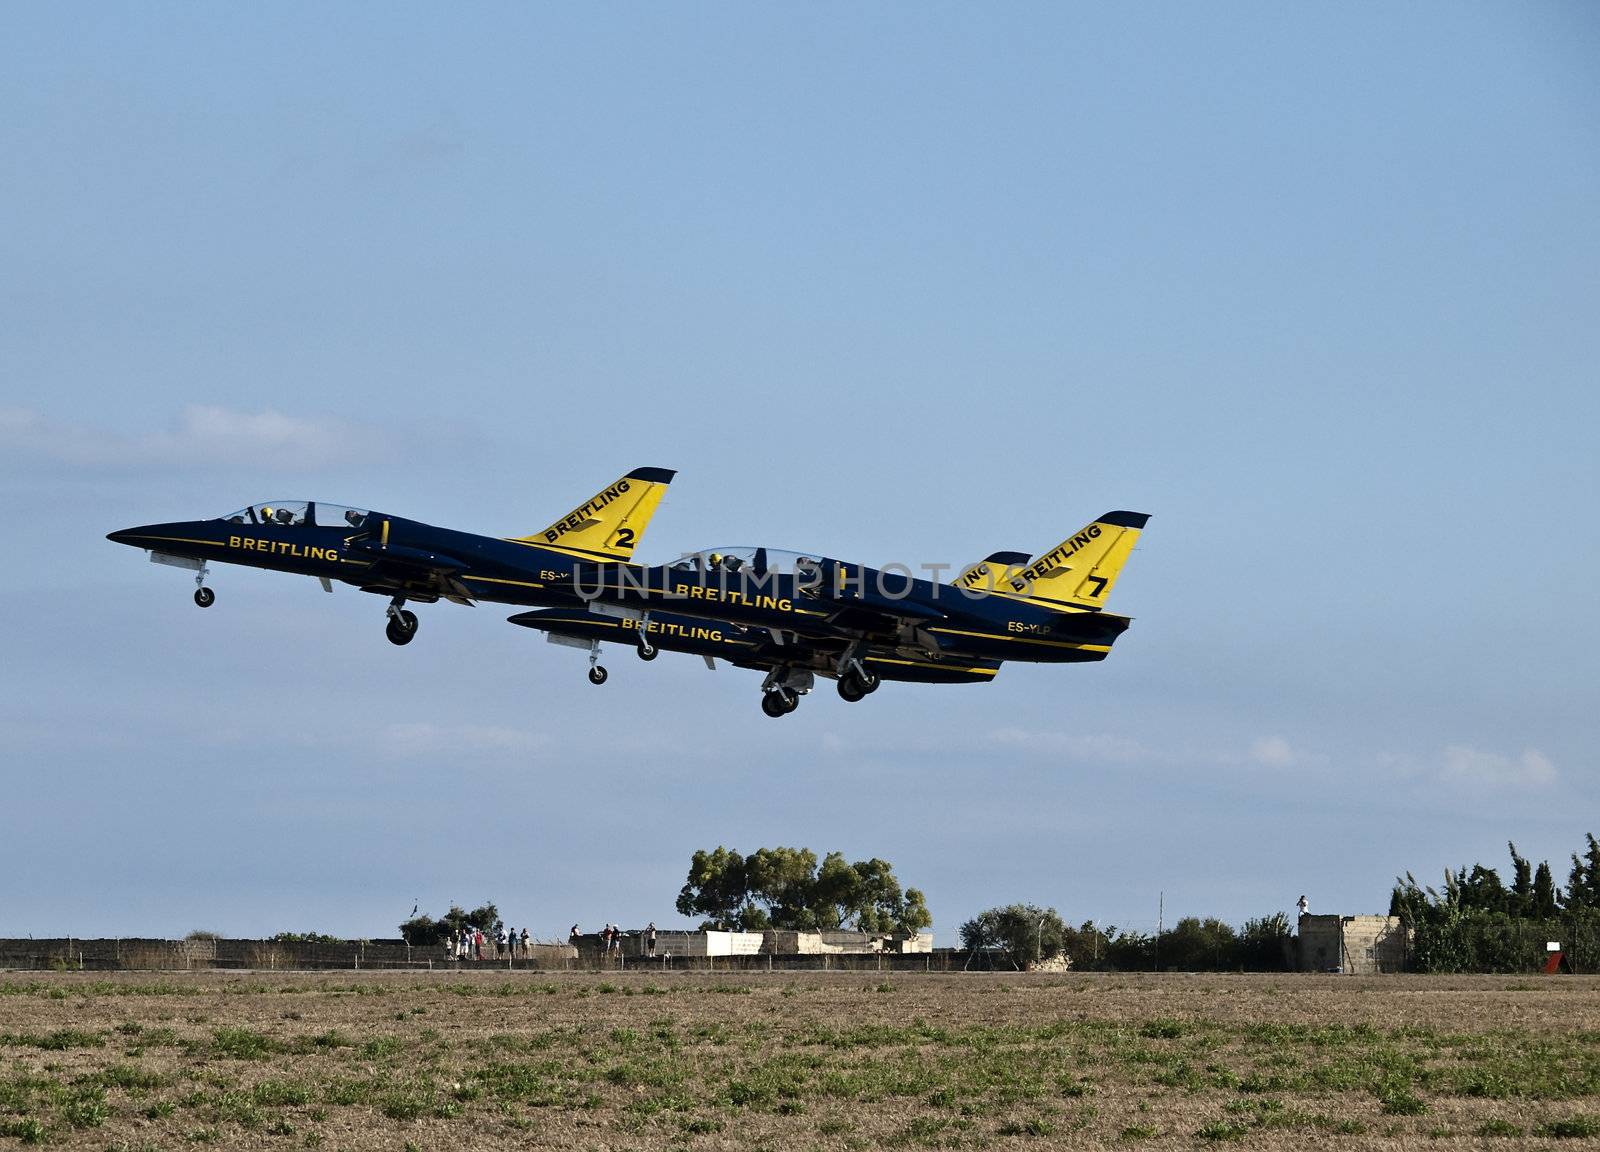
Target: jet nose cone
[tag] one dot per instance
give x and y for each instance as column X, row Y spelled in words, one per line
column 119, row 537
column 129, row 536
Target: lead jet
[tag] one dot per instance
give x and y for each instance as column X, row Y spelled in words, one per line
column 797, row 616
column 407, row 560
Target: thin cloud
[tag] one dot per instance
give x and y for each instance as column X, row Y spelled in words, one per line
column 1273, row 752
column 201, row 436
column 1476, row 767
column 1463, row 766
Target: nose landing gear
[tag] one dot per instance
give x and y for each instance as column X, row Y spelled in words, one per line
column 203, row 596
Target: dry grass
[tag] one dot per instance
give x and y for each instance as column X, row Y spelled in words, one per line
column 496, row 1060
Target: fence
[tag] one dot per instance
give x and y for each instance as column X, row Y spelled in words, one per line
column 127, row 954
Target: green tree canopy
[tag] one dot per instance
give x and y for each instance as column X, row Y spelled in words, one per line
column 424, row 929
column 787, row 888
column 1024, row 933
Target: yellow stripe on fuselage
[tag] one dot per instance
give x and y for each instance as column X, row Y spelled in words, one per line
column 498, row 580
column 1014, row 638
column 931, row 665
column 184, row 540
column 575, row 553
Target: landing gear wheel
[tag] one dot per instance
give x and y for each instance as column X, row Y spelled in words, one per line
column 597, row 675
column 402, row 628
column 774, row 705
column 648, row 651
column 205, row 597
column 791, row 700
column 870, row 683
column 851, row 688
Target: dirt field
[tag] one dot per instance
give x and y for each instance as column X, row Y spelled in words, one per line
column 498, row 1060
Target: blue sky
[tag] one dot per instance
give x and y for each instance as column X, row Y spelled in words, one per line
column 1317, row 289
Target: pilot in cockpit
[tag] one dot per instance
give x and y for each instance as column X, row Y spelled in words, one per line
column 353, row 518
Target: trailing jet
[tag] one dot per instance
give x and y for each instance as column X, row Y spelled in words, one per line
column 798, row 616
column 408, row 560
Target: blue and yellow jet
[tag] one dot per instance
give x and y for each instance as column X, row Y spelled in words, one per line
column 797, row 616
column 407, row 560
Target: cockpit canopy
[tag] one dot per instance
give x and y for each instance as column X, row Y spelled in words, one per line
column 300, row 513
column 755, row 561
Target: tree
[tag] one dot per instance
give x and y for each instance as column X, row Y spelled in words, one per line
column 1482, row 890
column 1521, row 896
column 785, row 880
column 1024, row 933
column 785, row 888
column 1195, row 945
column 424, row 929
column 1577, row 895
column 1264, row 944
column 835, row 893
column 879, row 901
column 914, row 915
column 1544, row 893
column 718, row 889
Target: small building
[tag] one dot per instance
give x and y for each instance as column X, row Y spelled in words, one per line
column 709, row 943
column 833, row 943
column 1354, row 945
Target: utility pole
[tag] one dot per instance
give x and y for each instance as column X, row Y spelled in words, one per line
column 1161, row 924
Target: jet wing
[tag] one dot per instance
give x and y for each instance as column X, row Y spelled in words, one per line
column 419, row 573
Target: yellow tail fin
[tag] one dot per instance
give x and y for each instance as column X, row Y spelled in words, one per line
column 608, row 525
column 995, row 571
column 1080, row 571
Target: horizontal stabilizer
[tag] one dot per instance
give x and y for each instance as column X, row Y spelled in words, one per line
column 993, row 571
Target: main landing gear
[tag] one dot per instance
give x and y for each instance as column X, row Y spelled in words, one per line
column 856, row 684
column 402, row 626
column 779, row 702
column 782, row 689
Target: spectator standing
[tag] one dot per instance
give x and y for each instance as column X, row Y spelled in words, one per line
column 650, row 938
column 524, row 943
column 1304, row 906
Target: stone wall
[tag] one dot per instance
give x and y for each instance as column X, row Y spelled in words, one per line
column 1354, row 945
